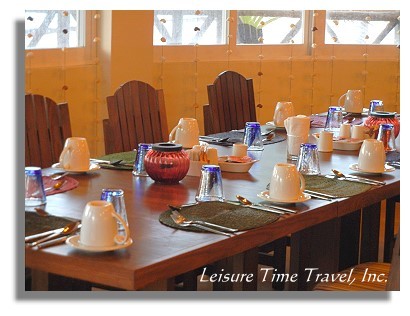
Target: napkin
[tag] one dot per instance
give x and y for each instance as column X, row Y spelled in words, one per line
column 298, row 125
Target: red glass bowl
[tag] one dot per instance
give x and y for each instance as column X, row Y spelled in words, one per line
column 166, row 163
column 377, row 118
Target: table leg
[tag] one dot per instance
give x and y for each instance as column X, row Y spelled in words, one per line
column 349, row 240
column 39, row 280
column 369, row 249
column 314, row 250
column 389, row 228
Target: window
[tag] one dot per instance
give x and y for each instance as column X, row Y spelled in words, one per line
column 46, row 29
column 172, row 27
column 274, row 27
column 363, row 27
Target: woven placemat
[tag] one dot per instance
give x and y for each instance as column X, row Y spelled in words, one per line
column 234, row 216
column 237, row 137
column 35, row 224
column 127, row 163
column 393, row 156
column 335, row 187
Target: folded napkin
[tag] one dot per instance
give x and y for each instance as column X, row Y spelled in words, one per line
column 127, row 163
column 68, row 184
column 298, row 125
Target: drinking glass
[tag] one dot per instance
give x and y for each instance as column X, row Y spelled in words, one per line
column 253, row 137
column 116, row 197
column 376, row 105
column 210, row 184
column 334, row 119
column 308, row 162
column 386, row 135
column 139, row 167
column 35, row 194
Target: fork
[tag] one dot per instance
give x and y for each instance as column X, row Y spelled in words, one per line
column 177, row 220
column 185, row 220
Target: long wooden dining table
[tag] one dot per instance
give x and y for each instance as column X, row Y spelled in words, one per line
column 324, row 235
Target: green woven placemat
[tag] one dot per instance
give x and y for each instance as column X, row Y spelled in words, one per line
column 234, row 216
column 335, row 187
column 127, row 163
column 36, row 224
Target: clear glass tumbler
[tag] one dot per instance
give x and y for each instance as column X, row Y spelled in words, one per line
column 139, row 167
column 210, row 184
column 386, row 135
column 334, row 119
column 116, row 197
column 253, row 136
column 376, row 106
column 35, row 194
column 308, row 162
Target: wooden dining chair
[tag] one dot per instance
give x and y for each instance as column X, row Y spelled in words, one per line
column 231, row 103
column 47, row 127
column 368, row 276
column 136, row 114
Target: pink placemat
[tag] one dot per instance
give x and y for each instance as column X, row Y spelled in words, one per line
column 68, row 184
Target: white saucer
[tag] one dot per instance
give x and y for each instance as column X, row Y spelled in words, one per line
column 355, row 167
column 264, row 195
column 93, row 167
column 74, row 241
column 273, row 125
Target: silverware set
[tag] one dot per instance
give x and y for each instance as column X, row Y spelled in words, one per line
column 52, row 237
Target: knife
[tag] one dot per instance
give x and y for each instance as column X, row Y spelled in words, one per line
column 259, row 207
column 43, row 234
column 365, row 179
column 53, row 242
column 351, row 179
column 321, row 194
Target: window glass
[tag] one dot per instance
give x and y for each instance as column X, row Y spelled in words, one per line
column 54, row 29
column 176, row 27
column 363, row 27
column 274, row 27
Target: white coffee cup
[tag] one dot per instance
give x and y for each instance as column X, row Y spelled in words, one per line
column 358, row 132
column 345, row 130
column 239, row 150
column 75, row 155
column 286, row 182
column 283, row 110
column 99, row 225
column 325, row 142
column 372, row 156
column 353, row 101
column 185, row 133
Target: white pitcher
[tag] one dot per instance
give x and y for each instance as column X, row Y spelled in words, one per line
column 185, row 133
column 353, row 101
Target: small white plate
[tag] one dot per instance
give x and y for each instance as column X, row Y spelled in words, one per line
column 264, row 195
column 74, row 241
column 355, row 167
column 93, row 167
column 239, row 167
column 273, row 125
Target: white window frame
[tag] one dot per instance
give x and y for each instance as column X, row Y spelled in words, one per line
column 53, row 57
column 183, row 53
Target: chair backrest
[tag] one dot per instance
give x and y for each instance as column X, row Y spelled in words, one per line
column 136, row 114
column 47, row 127
column 231, row 103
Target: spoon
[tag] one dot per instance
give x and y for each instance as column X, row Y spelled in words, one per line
column 66, row 230
column 41, row 212
column 245, row 201
column 339, row 174
column 56, row 186
column 270, row 136
column 58, row 176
